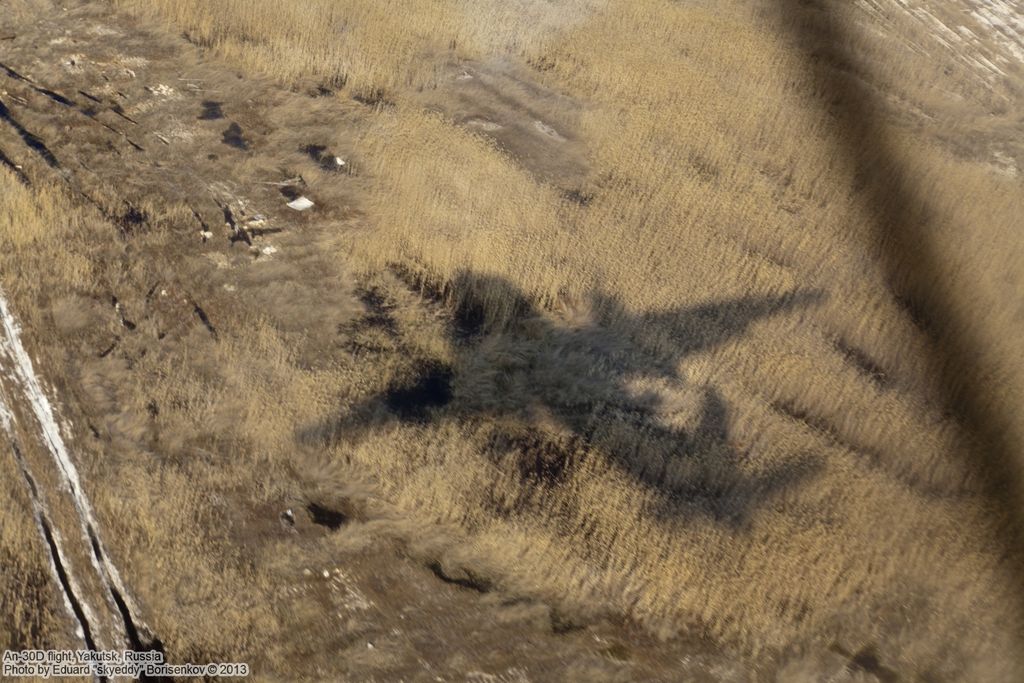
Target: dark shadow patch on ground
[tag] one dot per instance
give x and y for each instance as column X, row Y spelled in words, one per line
column 119, row 110
column 233, row 137
column 578, row 196
column 430, row 388
column 90, row 96
column 324, row 159
column 121, row 315
column 290, row 192
column 866, row 660
column 131, row 219
column 324, row 516
column 204, row 319
column 376, row 330
column 211, row 111
column 864, row 363
column 464, row 579
column 379, row 310
column 315, row 152
column 31, row 140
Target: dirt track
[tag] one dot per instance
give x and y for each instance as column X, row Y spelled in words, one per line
column 104, row 612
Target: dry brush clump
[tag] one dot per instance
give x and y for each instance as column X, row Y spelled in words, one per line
column 715, row 182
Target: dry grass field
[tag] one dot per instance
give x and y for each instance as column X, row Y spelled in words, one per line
column 705, row 316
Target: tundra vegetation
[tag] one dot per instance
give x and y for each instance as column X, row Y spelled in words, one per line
column 679, row 379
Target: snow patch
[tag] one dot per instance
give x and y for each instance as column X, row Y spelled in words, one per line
column 162, row 90
column 6, row 417
column 1005, row 21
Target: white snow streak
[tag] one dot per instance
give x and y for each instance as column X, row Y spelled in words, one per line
column 987, row 36
column 10, row 341
column 7, row 422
